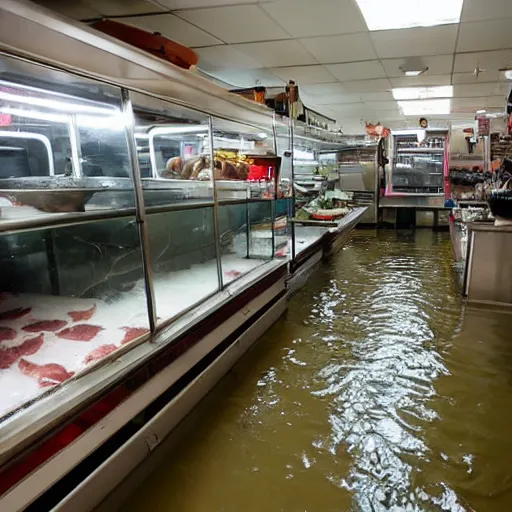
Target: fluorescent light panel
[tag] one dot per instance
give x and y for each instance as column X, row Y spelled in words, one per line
column 425, row 107
column 423, row 93
column 394, row 14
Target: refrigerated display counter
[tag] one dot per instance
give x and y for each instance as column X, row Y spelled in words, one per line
column 146, row 243
column 417, row 179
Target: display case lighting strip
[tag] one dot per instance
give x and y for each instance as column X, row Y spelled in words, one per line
column 57, row 105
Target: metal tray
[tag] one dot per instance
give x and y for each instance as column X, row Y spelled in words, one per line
column 69, row 194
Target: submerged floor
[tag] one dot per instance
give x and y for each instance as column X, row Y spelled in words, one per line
column 379, row 391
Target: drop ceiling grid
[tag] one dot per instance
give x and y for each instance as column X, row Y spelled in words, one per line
column 325, row 43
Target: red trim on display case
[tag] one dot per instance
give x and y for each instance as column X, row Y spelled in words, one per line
column 446, row 168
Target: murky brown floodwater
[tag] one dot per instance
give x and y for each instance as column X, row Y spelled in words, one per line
column 377, row 392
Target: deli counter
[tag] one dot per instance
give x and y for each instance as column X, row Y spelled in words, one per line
column 146, row 242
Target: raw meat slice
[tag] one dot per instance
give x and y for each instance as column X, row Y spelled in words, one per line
column 132, row 333
column 80, row 332
column 30, row 346
column 80, row 316
column 9, row 355
column 6, row 333
column 45, row 325
column 13, row 314
column 46, row 374
column 100, row 353
column 232, row 273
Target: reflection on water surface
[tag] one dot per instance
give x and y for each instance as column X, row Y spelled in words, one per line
column 378, row 391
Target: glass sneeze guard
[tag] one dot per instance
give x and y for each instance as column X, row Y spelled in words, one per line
column 102, row 220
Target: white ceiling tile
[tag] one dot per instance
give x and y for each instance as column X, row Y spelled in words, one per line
column 497, row 101
column 320, row 89
column 275, row 54
column 485, row 35
column 387, row 115
column 502, row 78
column 304, row 75
column 174, row 28
column 476, row 10
column 502, row 88
column 236, row 24
column 75, row 10
column 468, row 104
column 335, row 99
column 327, row 94
column 122, row 7
column 376, row 96
column 418, row 81
column 193, row 4
column 360, row 86
column 248, row 77
column 343, row 48
column 490, row 61
column 436, row 64
column 382, row 105
column 357, row 70
column 471, row 78
column 418, row 41
column 353, row 108
column 474, row 90
column 213, row 58
column 305, row 18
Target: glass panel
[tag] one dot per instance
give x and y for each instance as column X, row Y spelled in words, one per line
column 60, row 152
column 245, row 161
column 418, row 164
column 173, row 150
column 183, row 259
column 69, row 297
column 243, row 248
column 282, row 227
column 357, row 169
column 261, row 233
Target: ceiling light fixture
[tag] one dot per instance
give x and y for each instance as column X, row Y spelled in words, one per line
column 425, row 107
column 413, row 72
column 507, row 72
column 423, row 93
column 394, row 14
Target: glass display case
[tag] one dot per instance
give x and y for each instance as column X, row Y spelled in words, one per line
column 359, row 174
column 419, row 162
column 142, row 209
column 319, row 202
column 119, row 212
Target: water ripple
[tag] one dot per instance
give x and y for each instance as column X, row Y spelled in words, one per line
column 380, row 401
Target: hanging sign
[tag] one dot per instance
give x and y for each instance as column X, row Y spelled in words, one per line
column 423, row 123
